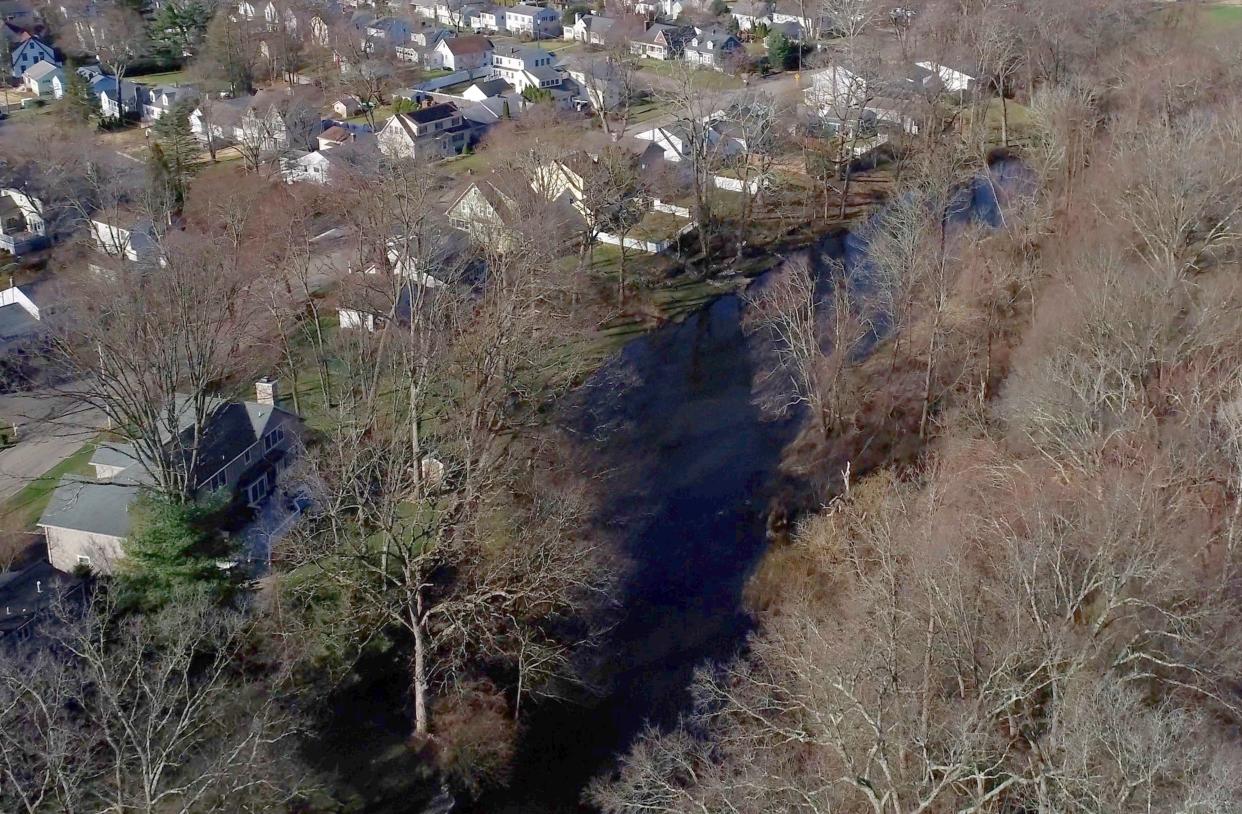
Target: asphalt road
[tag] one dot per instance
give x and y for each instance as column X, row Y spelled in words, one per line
column 50, row 428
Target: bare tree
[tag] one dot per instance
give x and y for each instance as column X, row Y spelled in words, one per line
column 143, row 714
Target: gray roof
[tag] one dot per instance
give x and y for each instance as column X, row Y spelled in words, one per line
column 492, row 87
column 41, row 70
column 15, row 322
column 96, row 506
column 102, row 506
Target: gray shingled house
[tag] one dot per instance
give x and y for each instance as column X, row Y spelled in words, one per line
column 243, row 449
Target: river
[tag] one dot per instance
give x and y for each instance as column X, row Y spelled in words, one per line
column 693, row 467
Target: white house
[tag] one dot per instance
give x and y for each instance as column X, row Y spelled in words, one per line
column 524, row 66
column 806, row 16
column 429, row 133
column 40, row 78
column 751, row 13
column 837, row 87
column 346, row 106
column 711, row 49
column 675, row 141
column 22, row 227
column 954, row 79
column 491, row 18
column 28, row 52
column 592, row 29
column 464, row 53
column 161, row 100
column 131, row 239
column 536, row 22
column 599, row 85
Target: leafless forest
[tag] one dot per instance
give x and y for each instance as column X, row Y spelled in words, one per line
column 1004, row 576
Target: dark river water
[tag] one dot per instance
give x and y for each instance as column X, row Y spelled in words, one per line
column 693, row 466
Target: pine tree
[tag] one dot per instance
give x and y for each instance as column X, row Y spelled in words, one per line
column 175, row 149
column 179, row 27
column 171, row 551
column 77, row 105
column 780, row 50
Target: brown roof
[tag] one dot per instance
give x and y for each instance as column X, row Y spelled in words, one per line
column 473, row 44
column 335, row 133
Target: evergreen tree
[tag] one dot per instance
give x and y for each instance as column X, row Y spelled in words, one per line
column 176, row 149
column 171, row 551
column 780, row 50
column 179, row 27
column 77, row 105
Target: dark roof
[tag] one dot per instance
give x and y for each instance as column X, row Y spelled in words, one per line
column 102, row 506
column 431, row 113
column 492, row 87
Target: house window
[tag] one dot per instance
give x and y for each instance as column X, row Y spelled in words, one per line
column 273, row 438
column 256, row 491
column 216, row 482
column 84, row 560
column 249, row 454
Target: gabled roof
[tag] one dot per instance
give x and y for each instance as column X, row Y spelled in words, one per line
column 431, row 113
column 463, row 46
column 492, row 87
column 102, row 506
column 525, row 10
column 41, row 70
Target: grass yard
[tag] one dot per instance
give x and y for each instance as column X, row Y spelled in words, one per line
column 29, row 503
column 703, row 79
column 1222, row 17
column 166, row 78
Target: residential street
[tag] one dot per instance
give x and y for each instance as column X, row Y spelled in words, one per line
column 50, row 428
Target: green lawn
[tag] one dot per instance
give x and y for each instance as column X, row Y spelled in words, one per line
column 30, row 502
column 703, row 79
column 166, row 78
column 1222, row 17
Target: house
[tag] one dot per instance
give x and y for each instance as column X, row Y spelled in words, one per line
column 484, row 213
column 347, row 106
column 675, row 141
column 346, row 157
column 424, row 8
column 524, row 66
column 486, row 89
column 751, row 13
column 161, row 100
column 368, row 308
column 240, row 450
column 592, row 29
column 39, row 77
column 430, row 133
column 392, row 30
column 956, row 79
column 812, row 21
column 269, row 120
column 27, row 52
column 123, row 236
column 22, row 227
column 19, row 316
column 118, row 100
column 491, row 18
column 837, row 86
column 536, row 22
column 712, row 49
column 600, row 85
column 666, row 9
column 661, row 41
column 464, row 53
